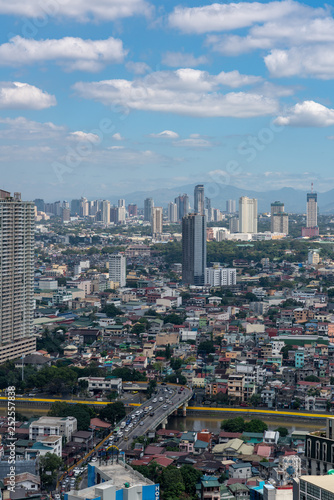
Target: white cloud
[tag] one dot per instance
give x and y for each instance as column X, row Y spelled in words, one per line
column 166, row 134
column 138, row 68
column 81, row 10
column 118, row 137
column 309, row 61
column 227, row 17
column 80, row 136
column 17, row 95
column 179, row 59
column 194, row 142
column 73, row 53
column 27, row 129
column 307, row 114
column 185, row 91
column 116, row 147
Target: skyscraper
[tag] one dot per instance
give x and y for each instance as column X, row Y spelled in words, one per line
column 117, row 269
column 133, row 210
column 312, row 210
column 231, row 206
column 193, row 249
column 279, row 222
column 148, row 206
column 16, row 276
column 183, row 206
column 40, row 205
column 105, row 211
column 311, row 228
column 156, row 221
column 172, row 212
column 247, row 215
column 199, row 199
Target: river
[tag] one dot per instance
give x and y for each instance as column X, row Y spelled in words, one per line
column 212, row 423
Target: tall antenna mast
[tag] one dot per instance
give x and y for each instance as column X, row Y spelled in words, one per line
column 311, row 187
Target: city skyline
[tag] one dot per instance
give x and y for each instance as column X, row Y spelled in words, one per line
column 233, row 98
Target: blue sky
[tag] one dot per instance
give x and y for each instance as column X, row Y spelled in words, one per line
column 107, row 97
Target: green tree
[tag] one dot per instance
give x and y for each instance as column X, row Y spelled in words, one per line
column 49, row 463
column 256, row 425
column 113, row 412
column 312, row 378
column 81, row 412
column 174, row 318
column 128, row 375
column 233, row 425
column 191, row 477
column 172, row 483
column 111, row 310
column 207, row 347
column 283, row 431
column 255, row 399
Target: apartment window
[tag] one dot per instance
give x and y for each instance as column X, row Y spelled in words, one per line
column 324, row 452
column 317, row 450
column 313, row 490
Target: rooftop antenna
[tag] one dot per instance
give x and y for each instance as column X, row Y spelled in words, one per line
column 311, row 187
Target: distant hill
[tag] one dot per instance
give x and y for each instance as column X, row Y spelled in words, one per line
column 294, row 199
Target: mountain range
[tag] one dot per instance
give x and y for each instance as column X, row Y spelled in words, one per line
column 293, row 199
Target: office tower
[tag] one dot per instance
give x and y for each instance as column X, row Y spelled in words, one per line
column 148, row 206
column 247, row 215
column 199, row 199
column 193, row 249
column 132, row 210
column 117, row 269
column 312, row 209
column 279, row 221
column 121, row 215
column 183, row 206
column 65, row 212
column 231, row 207
column 207, row 203
column 84, row 207
column 121, row 203
column 313, row 257
column 16, row 276
column 172, row 212
column 234, row 224
column 220, row 276
column 156, row 221
column 40, row 205
column 94, row 207
column 216, row 215
column 311, row 228
column 105, row 212
column 114, row 214
column 75, row 207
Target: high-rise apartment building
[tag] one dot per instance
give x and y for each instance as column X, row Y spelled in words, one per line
column 121, row 203
column 313, row 487
column 117, row 269
column 148, row 207
column 172, row 212
column 199, row 199
column 183, row 206
column 105, row 211
column 132, row 210
column 247, row 215
column 121, row 215
column 156, row 222
column 312, row 210
column 311, row 228
column 40, row 205
column 16, row 276
column 193, row 249
column 231, row 207
column 279, row 221
column 220, row 276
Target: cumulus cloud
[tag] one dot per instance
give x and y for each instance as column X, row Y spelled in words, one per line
column 118, row 137
column 309, row 61
column 184, row 91
column 80, row 136
column 138, row 68
column 81, row 10
column 307, row 114
column 166, row 134
column 17, row 95
column 28, row 129
column 179, row 59
column 73, row 53
column 227, row 17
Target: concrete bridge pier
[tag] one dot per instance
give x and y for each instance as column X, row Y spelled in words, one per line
column 184, row 409
column 164, row 423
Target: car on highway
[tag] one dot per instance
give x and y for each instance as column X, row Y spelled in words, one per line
column 161, row 399
column 152, row 414
column 155, row 400
column 141, row 423
column 165, row 407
